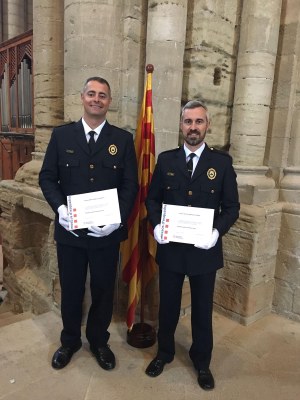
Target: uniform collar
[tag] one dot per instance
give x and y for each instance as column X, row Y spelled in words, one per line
column 198, row 152
column 88, row 129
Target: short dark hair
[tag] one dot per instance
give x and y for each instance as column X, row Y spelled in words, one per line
column 194, row 104
column 98, row 79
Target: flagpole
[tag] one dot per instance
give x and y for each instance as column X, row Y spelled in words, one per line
column 142, row 335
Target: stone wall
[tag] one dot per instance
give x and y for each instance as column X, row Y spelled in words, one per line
column 28, row 248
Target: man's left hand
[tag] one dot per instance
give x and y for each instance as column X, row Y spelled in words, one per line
column 106, row 230
column 211, row 242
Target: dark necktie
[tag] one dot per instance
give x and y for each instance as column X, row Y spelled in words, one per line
column 92, row 143
column 190, row 163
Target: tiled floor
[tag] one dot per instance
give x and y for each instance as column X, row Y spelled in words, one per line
column 261, row 361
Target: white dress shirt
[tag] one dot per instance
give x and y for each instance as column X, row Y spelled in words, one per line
column 88, row 129
column 197, row 153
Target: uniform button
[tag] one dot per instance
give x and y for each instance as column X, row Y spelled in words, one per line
column 115, row 167
column 212, row 191
column 91, row 179
column 190, row 193
column 168, row 187
column 92, row 166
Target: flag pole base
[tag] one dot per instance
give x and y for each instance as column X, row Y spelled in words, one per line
column 142, row 335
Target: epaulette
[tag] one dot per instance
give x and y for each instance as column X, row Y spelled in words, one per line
column 222, row 152
column 170, row 151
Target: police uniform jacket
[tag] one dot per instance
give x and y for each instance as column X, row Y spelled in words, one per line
column 213, row 185
column 69, row 169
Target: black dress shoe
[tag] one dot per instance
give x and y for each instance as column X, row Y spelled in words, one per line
column 62, row 356
column 104, row 356
column 156, row 367
column 205, row 379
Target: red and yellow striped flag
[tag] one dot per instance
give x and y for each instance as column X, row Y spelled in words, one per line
column 138, row 251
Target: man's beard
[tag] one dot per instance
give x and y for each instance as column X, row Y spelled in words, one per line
column 194, row 141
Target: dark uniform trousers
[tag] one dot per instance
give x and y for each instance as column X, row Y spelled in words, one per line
column 202, row 288
column 72, row 265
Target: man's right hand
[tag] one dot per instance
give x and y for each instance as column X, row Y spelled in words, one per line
column 63, row 216
column 157, row 236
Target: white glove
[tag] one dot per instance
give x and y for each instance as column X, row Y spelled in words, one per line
column 104, row 231
column 211, row 242
column 157, row 236
column 63, row 216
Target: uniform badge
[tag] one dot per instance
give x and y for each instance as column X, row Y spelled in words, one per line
column 211, row 173
column 170, row 174
column 112, row 149
column 70, row 151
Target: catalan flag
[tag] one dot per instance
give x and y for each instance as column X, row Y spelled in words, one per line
column 138, row 251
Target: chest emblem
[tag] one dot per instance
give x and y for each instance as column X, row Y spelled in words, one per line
column 211, row 173
column 113, row 149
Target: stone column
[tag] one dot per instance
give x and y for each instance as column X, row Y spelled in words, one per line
column 285, row 139
column 133, row 62
column 48, row 50
column 285, row 145
column 212, row 31
column 26, row 219
column 253, row 89
column 93, row 47
column 13, row 18
column 48, row 81
column 245, row 287
column 164, row 49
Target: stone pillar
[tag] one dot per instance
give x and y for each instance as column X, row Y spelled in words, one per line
column 13, row 18
column 285, row 145
column 285, row 137
column 48, row 50
column 93, row 47
column 210, row 62
column 254, row 80
column 133, row 62
column 245, row 287
column 164, row 49
column 26, row 219
column 253, row 90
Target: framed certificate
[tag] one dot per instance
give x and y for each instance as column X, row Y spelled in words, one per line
column 93, row 209
column 186, row 224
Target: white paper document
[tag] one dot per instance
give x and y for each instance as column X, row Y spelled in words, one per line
column 186, row 224
column 93, row 209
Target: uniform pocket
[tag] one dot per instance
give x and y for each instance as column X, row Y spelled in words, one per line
column 209, row 196
column 68, row 170
column 113, row 165
column 113, row 170
column 171, row 186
